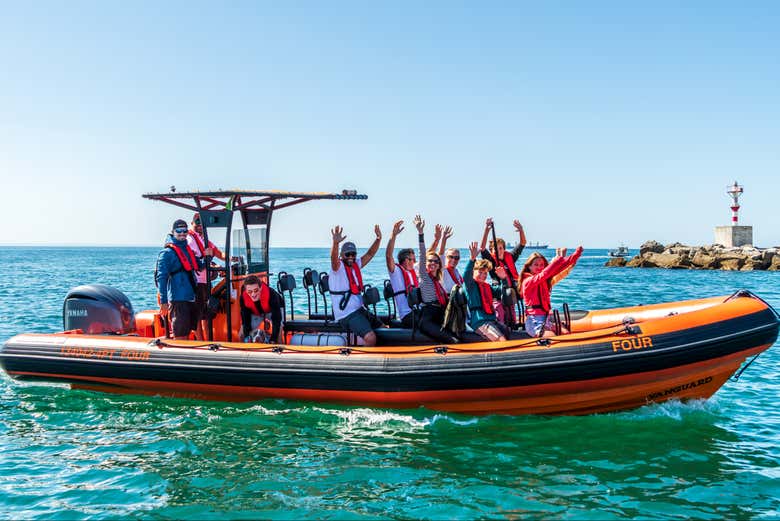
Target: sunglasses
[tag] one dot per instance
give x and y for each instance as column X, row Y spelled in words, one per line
column 350, row 254
column 435, row 261
column 180, row 230
column 456, row 257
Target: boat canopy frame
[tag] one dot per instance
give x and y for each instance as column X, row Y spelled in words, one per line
column 256, row 207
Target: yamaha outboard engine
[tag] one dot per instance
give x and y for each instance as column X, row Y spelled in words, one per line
column 98, row 309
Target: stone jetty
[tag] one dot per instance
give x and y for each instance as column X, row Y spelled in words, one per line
column 713, row 257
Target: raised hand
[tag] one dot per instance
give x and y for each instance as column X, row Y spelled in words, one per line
column 398, row 227
column 560, row 252
column 501, row 272
column 419, row 223
column 488, row 223
column 437, row 230
column 473, row 250
column 447, row 232
column 337, row 234
column 517, row 225
column 378, row 232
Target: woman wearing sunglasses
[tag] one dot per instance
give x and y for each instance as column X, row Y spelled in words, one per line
column 434, row 296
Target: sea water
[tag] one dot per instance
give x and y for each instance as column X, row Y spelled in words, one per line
column 77, row 454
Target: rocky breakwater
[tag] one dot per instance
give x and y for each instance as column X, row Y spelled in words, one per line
column 714, row 257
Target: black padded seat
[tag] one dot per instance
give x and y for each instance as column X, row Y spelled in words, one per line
column 313, row 326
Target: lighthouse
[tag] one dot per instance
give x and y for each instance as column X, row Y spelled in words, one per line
column 734, row 235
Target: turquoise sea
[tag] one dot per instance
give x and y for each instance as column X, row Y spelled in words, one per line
column 76, row 454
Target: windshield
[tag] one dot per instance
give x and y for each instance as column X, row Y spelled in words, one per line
column 255, row 253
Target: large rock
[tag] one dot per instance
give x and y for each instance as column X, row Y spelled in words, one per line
column 651, row 247
column 616, row 262
column 732, row 263
column 668, row 260
column 705, row 260
column 775, row 264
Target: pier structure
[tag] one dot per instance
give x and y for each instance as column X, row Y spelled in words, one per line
column 734, row 235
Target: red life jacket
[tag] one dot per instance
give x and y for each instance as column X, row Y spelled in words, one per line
column 441, row 295
column 486, row 296
column 509, row 264
column 187, row 264
column 410, row 278
column 199, row 241
column 265, row 301
column 354, row 278
column 455, row 276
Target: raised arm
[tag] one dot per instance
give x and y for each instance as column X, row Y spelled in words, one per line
column 366, row 258
column 468, row 275
column 488, row 226
column 338, row 237
column 518, row 249
column 420, row 225
column 446, row 235
column 437, row 231
column 398, row 227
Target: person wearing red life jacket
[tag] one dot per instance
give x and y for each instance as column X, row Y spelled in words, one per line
column 197, row 242
column 403, row 276
column 434, row 296
column 346, row 286
column 480, row 293
column 498, row 256
column 451, row 277
column 538, row 277
column 258, row 302
column 175, row 278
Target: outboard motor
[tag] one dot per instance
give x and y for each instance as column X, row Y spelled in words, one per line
column 98, row 309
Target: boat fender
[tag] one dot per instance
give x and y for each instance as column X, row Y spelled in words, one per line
column 320, row 339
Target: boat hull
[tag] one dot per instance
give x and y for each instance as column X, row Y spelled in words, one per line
column 684, row 356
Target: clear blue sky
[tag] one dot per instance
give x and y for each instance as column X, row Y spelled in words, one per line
column 591, row 122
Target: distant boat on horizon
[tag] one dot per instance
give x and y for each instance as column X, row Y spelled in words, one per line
column 537, row 246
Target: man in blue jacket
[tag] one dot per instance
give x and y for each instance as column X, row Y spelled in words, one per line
column 176, row 267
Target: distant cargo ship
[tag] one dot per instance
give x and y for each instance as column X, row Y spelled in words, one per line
column 537, row 246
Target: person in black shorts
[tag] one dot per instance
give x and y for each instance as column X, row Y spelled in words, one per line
column 176, row 267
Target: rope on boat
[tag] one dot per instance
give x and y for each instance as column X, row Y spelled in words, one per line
column 742, row 369
column 433, row 349
column 747, row 293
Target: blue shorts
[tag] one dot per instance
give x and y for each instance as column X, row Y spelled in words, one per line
column 534, row 324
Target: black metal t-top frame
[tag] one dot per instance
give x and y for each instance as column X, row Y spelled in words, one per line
column 216, row 209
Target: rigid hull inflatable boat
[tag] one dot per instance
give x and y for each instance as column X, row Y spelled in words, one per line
column 613, row 359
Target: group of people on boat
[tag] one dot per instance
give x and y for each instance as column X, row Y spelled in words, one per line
column 428, row 294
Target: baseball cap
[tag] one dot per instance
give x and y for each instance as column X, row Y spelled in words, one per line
column 348, row 247
column 179, row 223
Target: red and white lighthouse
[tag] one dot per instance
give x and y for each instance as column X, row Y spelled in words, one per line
column 735, row 191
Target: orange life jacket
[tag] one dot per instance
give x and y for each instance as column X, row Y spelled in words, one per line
column 410, row 278
column 486, row 296
column 187, row 264
column 441, row 295
column 265, row 301
column 354, row 278
column 455, row 276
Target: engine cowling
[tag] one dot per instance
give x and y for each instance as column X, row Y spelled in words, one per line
column 98, row 309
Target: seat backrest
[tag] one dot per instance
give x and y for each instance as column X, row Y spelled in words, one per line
column 323, row 285
column 310, row 278
column 388, row 290
column 414, row 296
column 286, row 282
column 370, row 295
